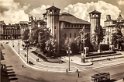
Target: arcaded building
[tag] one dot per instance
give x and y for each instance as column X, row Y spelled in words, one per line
column 10, row 31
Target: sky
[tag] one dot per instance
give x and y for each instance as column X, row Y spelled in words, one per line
column 13, row 11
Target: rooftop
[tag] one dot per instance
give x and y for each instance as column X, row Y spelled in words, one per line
column 120, row 18
column 95, row 12
column 71, row 19
column 2, row 22
column 23, row 22
column 53, row 7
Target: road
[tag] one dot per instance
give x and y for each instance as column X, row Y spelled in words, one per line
column 31, row 75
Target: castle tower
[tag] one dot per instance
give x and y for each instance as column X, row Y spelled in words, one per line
column 95, row 27
column 120, row 18
column 30, row 24
column 52, row 16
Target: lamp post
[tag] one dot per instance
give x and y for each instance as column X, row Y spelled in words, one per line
column 18, row 46
column 12, row 40
column 27, row 46
column 69, row 52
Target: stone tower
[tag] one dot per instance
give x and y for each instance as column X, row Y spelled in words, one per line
column 52, row 16
column 95, row 27
column 30, row 24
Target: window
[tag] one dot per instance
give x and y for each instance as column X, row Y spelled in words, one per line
column 55, row 36
column 75, row 25
column 96, row 15
column 65, row 35
column 55, row 27
column 80, row 25
column 70, row 35
column 55, row 11
column 74, row 35
column 68, row 25
column 72, row 25
column 65, row 25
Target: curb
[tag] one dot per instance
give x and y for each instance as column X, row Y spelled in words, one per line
column 38, row 68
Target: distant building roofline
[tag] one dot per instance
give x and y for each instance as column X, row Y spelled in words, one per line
column 52, row 7
column 95, row 12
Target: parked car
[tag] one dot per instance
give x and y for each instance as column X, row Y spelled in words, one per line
column 7, row 42
column 31, row 63
column 100, row 77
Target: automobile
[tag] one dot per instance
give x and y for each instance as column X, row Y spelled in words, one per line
column 30, row 48
column 7, row 42
column 31, row 63
column 101, row 77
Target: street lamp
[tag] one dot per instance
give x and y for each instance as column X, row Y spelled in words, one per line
column 69, row 52
column 27, row 46
column 12, row 40
column 18, row 46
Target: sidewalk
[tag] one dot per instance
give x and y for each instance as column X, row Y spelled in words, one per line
column 56, row 67
column 41, row 65
column 103, row 61
column 121, row 80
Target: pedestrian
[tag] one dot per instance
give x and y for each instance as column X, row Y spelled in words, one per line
column 37, row 60
column 66, row 71
column 78, row 73
column 25, row 55
column 22, row 66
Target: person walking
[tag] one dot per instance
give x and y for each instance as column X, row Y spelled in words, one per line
column 78, row 73
column 22, row 66
column 67, row 71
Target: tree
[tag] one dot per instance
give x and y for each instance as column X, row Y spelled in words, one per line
column 39, row 36
column 43, row 37
column 50, row 47
column 34, row 36
column 83, row 40
column 97, row 37
column 25, row 35
column 117, row 38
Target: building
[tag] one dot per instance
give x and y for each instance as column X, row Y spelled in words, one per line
column 1, row 28
column 64, row 25
column 96, row 30
column 10, row 31
column 34, row 27
column 23, row 26
column 111, row 27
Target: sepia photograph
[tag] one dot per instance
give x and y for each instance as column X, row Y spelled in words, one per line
column 61, row 40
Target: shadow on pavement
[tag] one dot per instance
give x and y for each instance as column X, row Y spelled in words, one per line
column 8, row 74
column 112, row 80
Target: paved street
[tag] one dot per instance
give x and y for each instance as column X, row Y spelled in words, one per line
column 28, row 74
column 57, row 67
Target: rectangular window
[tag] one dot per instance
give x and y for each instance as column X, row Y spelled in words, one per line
column 55, row 36
column 80, row 25
column 55, row 27
column 74, row 35
column 65, row 35
column 70, row 35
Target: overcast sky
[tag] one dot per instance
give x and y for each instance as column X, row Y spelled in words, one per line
column 63, row 3
column 13, row 11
